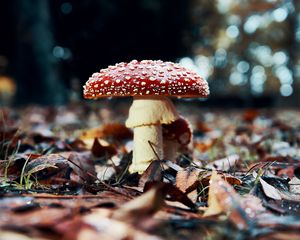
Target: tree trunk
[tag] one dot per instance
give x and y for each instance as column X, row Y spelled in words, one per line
column 37, row 74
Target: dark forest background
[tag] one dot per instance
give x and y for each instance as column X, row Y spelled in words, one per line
column 248, row 50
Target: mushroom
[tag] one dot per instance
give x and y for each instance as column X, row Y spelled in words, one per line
column 149, row 83
column 176, row 136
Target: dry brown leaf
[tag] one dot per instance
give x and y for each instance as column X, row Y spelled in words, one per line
column 101, row 150
column 111, row 229
column 9, row 235
column 250, row 115
column 205, row 177
column 268, row 189
column 91, row 134
column 54, row 163
column 188, row 179
column 224, row 164
column 44, row 217
column 153, row 173
column 174, row 194
column 116, row 131
column 214, row 206
column 204, row 146
column 140, row 207
column 202, row 127
column 222, row 198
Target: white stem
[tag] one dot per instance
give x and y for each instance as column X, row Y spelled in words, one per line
column 152, row 110
column 143, row 154
column 146, row 115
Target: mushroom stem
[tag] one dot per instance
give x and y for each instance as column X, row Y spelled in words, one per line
column 146, row 115
column 143, row 153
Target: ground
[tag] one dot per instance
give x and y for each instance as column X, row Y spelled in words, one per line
column 64, row 175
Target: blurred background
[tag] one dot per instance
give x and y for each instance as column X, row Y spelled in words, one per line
column 248, row 50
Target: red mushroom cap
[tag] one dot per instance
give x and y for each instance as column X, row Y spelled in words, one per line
column 179, row 130
column 145, row 78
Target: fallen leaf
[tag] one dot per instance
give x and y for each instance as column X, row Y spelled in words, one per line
column 294, row 185
column 54, row 163
column 214, row 207
column 205, row 176
column 101, row 149
column 43, row 217
column 222, row 198
column 172, row 193
column 153, row 173
column 141, row 207
column 268, row 189
column 225, row 164
column 116, row 131
column 250, row 115
column 57, row 165
column 10, row 235
column 108, row 228
column 188, row 179
column 202, row 127
column 204, row 146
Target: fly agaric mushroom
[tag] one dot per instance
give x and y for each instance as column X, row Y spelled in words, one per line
column 150, row 83
column 176, row 136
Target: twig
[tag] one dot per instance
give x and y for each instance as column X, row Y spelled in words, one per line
column 151, row 145
column 96, row 178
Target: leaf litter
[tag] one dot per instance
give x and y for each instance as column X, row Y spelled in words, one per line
column 64, row 175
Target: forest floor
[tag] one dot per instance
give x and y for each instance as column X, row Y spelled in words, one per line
column 64, row 175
